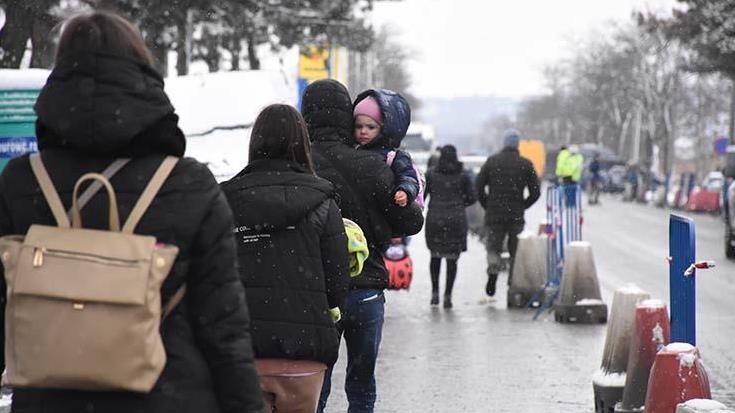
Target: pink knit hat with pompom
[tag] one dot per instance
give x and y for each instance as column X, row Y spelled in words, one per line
column 368, row 107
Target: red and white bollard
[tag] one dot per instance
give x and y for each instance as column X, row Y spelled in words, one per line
column 650, row 335
column 677, row 375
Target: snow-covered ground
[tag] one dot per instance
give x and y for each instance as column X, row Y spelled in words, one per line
column 14, row 79
column 217, row 111
column 5, row 401
column 225, row 152
column 229, row 101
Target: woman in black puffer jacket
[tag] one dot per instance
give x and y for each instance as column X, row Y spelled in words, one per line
column 295, row 268
column 449, row 190
column 104, row 101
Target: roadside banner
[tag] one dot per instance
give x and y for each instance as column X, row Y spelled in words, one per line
column 313, row 65
column 17, row 124
column 534, row 151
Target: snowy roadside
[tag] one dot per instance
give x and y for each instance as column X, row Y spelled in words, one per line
column 5, row 401
column 217, row 111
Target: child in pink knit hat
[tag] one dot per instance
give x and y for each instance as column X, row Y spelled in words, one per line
column 381, row 129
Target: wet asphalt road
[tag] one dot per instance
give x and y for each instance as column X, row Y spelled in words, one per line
column 482, row 357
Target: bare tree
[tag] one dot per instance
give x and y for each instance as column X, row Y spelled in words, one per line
column 390, row 65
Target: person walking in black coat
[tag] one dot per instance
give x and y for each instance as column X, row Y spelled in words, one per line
column 365, row 184
column 295, row 268
column 500, row 190
column 449, row 188
column 102, row 101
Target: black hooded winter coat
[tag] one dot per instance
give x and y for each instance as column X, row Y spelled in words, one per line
column 364, row 182
column 93, row 109
column 293, row 252
column 500, row 186
column 449, row 191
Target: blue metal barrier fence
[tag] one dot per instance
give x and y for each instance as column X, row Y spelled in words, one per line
column 563, row 225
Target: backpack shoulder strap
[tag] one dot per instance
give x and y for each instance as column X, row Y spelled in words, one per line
column 149, row 193
column 49, row 192
column 96, row 185
column 173, row 302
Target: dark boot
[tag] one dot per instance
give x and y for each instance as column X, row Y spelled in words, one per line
column 451, row 276
column 492, row 279
column 447, row 301
column 434, row 267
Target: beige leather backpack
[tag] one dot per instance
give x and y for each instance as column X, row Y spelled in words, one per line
column 83, row 306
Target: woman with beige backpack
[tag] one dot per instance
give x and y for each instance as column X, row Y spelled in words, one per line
column 133, row 302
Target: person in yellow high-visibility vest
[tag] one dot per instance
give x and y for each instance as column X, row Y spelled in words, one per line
column 561, row 159
column 569, row 165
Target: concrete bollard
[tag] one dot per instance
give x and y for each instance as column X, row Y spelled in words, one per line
column 650, row 334
column 677, row 375
column 579, row 296
column 609, row 381
column 529, row 271
column 702, row 406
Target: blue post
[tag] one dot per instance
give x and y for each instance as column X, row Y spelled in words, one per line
column 681, row 287
column 302, row 84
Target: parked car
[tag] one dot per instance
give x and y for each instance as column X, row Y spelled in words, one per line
column 613, row 179
column 706, row 197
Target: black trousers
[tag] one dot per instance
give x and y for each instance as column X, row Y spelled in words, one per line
column 497, row 232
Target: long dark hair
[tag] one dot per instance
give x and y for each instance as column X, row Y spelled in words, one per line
column 448, row 162
column 280, row 132
column 102, row 31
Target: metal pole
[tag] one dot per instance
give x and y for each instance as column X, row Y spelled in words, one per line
column 578, row 218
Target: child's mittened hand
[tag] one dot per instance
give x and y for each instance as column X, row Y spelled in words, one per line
column 401, row 198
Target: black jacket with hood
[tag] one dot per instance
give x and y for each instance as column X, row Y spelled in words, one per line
column 501, row 183
column 364, row 182
column 93, row 109
column 449, row 190
column 293, row 253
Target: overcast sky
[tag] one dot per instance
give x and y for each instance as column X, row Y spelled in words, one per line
column 494, row 47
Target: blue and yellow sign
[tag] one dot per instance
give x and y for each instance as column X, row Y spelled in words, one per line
column 19, row 89
column 313, row 65
column 17, row 124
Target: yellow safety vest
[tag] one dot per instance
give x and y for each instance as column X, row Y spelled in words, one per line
column 576, row 164
column 569, row 165
column 561, row 163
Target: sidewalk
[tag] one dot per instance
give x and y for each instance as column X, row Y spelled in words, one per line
column 478, row 356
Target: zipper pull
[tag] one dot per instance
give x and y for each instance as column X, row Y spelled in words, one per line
column 38, row 257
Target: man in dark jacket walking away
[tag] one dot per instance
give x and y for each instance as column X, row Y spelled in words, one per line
column 364, row 184
column 500, row 186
